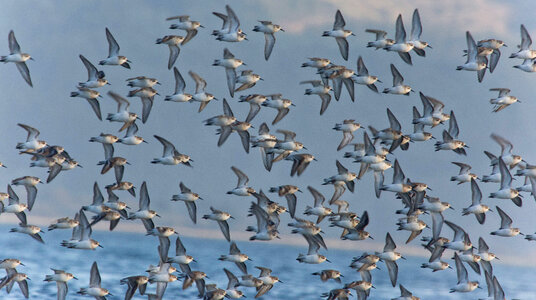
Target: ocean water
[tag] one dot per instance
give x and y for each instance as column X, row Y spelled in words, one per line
column 128, row 254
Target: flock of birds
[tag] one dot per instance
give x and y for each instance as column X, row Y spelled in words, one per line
column 416, row 198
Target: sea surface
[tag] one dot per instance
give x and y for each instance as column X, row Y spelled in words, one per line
column 128, row 254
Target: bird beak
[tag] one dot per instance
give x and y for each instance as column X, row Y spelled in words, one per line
column 305, row 148
column 128, row 163
column 31, row 58
column 371, row 237
column 158, row 215
column 158, row 83
column 101, row 246
column 328, row 260
column 75, row 278
column 282, row 29
column 80, row 166
column 144, row 141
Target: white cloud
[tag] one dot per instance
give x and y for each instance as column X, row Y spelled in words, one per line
column 479, row 16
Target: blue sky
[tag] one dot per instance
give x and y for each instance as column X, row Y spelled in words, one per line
column 55, row 36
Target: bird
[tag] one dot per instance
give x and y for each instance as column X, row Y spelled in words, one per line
column 81, row 237
column 247, row 79
column 189, row 199
column 170, row 155
column 268, row 28
column 503, row 100
column 524, row 53
column 144, row 212
column 381, row 40
column 91, row 97
column 476, row 207
column 179, row 95
column 173, row 42
column 464, row 175
column 405, row 294
column 463, row 285
column 135, row 283
column 60, row 277
column 363, row 77
column 321, row 90
column 242, row 188
column 266, row 229
column 180, row 257
column 146, row 95
column 221, row 217
column 312, row 256
column 236, row 256
column 185, row 24
column 506, row 229
column 268, row 281
column 31, row 230
column 17, row 57
column 415, row 36
column 200, row 94
column 289, row 191
column 130, row 137
column 230, row 63
column 340, row 34
column 95, row 78
column 399, row 88
column 29, row 183
column 318, row 209
column 300, row 162
column 122, row 114
column 232, row 32
column 20, row 278
column 114, row 59
column 94, row 288
column 401, row 45
column 389, row 257
column 231, row 291
column 474, row 62
column 506, row 191
column 450, row 141
column 347, row 127
column 282, row 106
